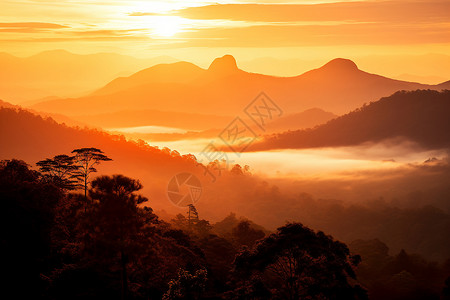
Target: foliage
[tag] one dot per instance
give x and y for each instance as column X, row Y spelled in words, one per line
column 245, row 235
column 86, row 159
column 295, row 262
column 114, row 247
column 187, row 285
column 60, row 170
column 192, row 225
column 27, row 217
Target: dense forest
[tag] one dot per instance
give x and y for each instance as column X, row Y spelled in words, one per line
column 77, row 233
column 76, row 236
column 408, row 211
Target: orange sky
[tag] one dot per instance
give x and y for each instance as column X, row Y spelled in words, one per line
column 198, row 31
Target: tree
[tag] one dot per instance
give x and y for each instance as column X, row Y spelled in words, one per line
column 192, row 215
column 118, row 220
column 187, row 286
column 27, row 219
column 86, row 159
column 244, row 234
column 297, row 263
column 446, row 289
column 60, row 170
column 238, row 170
column 192, row 225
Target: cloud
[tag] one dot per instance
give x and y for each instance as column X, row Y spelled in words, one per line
column 326, row 24
column 30, row 27
column 365, row 11
column 33, row 25
column 141, row 14
column 276, row 35
column 77, row 39
column 106, row 32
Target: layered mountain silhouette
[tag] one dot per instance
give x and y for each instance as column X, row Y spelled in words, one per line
column 339, row 86
column 305, row 119
column 200, row 125
column 61, row 73
column 428, row 68
column 57, row 117
column 30, row 137
column 145, row 117
column 420, row 116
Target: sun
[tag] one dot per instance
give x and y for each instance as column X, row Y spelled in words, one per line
column 166, row 26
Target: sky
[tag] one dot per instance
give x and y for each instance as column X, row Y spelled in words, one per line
column 198, row 31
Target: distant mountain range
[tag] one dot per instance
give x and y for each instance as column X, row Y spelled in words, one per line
column 208, row 126
column 64, row 74
column 419, row 116
column 57, row 117
column 224, row 89
column 431, row 68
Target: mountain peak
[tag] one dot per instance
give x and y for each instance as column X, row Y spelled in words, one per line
column 224, row 64
column 340, row 64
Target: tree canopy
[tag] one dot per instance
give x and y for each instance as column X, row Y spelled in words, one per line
column 296, row 262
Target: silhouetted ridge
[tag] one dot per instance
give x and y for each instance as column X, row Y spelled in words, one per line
column 337, row 87
column 51, row 53
column 224, row 64
column 420, row 116
column 340, row 64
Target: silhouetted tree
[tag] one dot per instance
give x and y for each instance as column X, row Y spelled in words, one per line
column 117, row 220
column 27, row 217
column 192, row 225
column 244, row 234
column 60, row 170
column 219, row 253
column 238, row 170
column 192, row 215
column 296, row 263
column 251, row 289
column 86, row 159
column 446, row 289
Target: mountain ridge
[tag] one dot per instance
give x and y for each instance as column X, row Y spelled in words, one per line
column 419, row 116
column 338, row 86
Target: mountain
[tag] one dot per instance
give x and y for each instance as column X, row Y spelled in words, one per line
column 132, row 124
column 62, row 73
column 444, row 85
column 425, row 68
column 339, row 86
column 30, row 137
column 420, row 116
column 145, row 117
column 179, row 72
column 57, row 117
column 423, row 79
column 7, row 104
column 305, row 119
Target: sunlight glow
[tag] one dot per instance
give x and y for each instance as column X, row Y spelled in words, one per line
column 165, row 26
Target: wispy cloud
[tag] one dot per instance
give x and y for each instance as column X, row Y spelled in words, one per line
column 315, row 35
column 33, row 25
column 30, row 27
column 107, row 32
column 363, row 11
column 142, row 14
